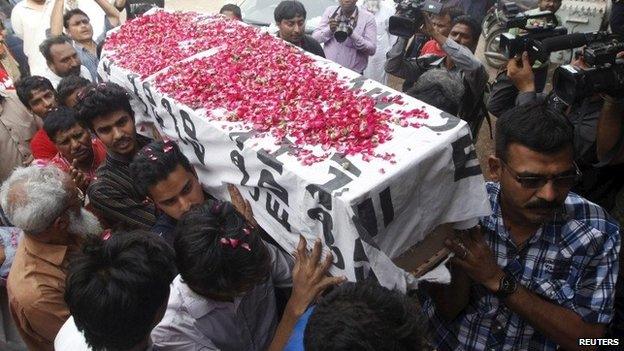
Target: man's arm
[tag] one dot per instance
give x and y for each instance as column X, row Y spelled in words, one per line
column 610, row 131
column 56, row 20
column 366, row 43
column 323, row 32
column 118, row 208
column 16, row 22
column 515, row 87
column 112, row 14
column 398, row 65
column 309, row 280
column 479, row 263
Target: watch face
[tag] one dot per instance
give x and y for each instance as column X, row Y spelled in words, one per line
column 507, row 286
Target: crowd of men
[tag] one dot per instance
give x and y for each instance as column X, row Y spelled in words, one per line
column 109, row 241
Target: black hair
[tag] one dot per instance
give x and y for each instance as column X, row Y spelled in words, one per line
column 115, row 288
column 47, row 44
column 452, row 11
column 71, row 13
column 25, row 87
column 154, row 162
column 364, row 316
column 59, row 120
column 536, row 126
column 289, row 9
column 69, row 85
column 438, row 88
column 101, row 99
column 218, row 253
column 232, row 8
column 475, row 27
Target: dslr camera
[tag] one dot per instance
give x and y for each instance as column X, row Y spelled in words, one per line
column 605, row 74
column 409, row 16
column 344, row 29
column 534, row 29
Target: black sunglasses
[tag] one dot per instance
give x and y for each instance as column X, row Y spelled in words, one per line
column 564, row 180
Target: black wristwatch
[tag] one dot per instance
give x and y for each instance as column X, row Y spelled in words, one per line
column 508, row 285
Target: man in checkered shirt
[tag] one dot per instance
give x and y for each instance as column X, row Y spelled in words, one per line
column 540, row 272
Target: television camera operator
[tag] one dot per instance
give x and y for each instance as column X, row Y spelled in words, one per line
column 581, row 92
column 460, row 61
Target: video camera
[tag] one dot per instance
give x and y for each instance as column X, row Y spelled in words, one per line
column 535, row 28
column 409, row 16
column 605, row 74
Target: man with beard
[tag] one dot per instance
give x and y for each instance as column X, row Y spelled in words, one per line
column 106, row 110
column 62, row 59
column 47, row 206
column 540, row 272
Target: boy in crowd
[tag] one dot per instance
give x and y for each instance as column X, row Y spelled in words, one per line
column 116, row 292
column 162, row 173
column 224, row 296
column 105, row 109
column 78, row 28
column 68, row 89
column 79, row 154
column 231, row 11
column 38, row 95
column 290, row 17
column 363, row 316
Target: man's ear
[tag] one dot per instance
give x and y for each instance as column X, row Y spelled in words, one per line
column 495, row 168
column 61, row 223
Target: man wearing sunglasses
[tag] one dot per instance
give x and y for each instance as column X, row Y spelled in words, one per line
column 540, row 272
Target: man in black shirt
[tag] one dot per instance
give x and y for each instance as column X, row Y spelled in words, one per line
column 290, row 18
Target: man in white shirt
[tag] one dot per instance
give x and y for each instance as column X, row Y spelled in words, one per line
column 31, row 20
column 116, row 291
column 62, row 60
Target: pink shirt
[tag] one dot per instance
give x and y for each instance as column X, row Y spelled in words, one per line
column 352, row 53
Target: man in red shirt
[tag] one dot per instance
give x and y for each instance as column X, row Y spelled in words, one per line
column 79, row 154
column 39, row 97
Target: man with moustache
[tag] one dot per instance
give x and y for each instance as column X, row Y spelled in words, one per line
column 105, row 109
column 47, row 206
column 540, row 272
column 62, row 59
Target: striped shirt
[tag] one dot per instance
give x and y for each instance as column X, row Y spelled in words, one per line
column 571, row 261
column 115, row 197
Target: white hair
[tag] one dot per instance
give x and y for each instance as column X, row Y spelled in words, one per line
column 33, row 197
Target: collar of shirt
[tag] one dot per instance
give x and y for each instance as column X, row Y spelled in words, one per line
column 199, row 306
column 54, row 254
column 548, row 231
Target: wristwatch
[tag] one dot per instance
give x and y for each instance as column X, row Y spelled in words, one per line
column 508, row 285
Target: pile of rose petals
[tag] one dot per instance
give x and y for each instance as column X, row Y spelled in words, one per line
column 264, row 83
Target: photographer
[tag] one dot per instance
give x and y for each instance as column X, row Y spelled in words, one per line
column 460, row 61
column 600, row 181
column 349, row 34
column 421, row 44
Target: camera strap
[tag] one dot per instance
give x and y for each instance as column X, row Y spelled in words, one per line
column 352, row 20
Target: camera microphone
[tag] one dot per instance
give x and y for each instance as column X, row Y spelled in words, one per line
column 570, row 41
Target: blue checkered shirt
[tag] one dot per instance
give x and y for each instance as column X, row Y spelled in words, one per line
column 571, row 261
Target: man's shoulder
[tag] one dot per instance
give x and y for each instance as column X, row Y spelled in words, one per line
column 584, row 214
